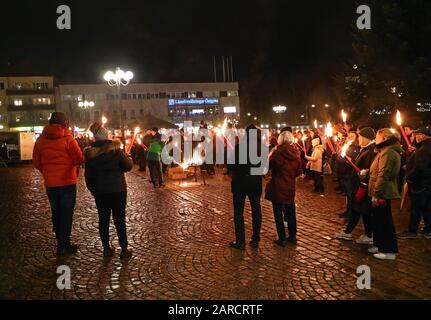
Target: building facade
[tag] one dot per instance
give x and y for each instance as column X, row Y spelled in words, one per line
column 26, row 103
column 173, row 102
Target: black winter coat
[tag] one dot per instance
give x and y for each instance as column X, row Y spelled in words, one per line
column 363, row 161
column 418, row 170
column 105, row 165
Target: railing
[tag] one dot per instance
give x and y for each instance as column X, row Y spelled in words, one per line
column 31, row 107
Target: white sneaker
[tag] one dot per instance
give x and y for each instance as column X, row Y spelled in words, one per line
column 344, row 236
column 364, row 240
column 285, row 224
column 373, row 250
column 385, row 256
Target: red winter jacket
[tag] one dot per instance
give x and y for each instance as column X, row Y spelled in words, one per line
column 285, row 166
column 57, row 155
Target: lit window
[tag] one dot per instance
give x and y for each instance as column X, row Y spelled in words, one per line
column 232, row 93
column 17, row 102
column 192, row 95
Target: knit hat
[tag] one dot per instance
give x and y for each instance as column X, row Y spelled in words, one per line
column 99, row 132
column 368, row 133
column 58, row 118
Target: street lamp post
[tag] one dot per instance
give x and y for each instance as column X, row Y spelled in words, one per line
column 118, row 79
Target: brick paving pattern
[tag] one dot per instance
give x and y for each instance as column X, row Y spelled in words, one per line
column 179, row 236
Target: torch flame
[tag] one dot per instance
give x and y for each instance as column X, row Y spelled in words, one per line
column 328, row 130
column 139, row 141
column 344, row 115
column 184, row 166
column 137, row 129
column 224, row 126
column 399, row 119
column 344, row 149
column 393, row 130
column 104, row 120
column 315, row 124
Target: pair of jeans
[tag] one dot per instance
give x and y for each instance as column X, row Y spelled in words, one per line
column 156, row 174
column 385, row 238
column 420, row 207
column 238, row 213
column 62, row 201
column 361, row 208
column 347, row 188
column 289, row 211
column 115, row 203
column 318, row 181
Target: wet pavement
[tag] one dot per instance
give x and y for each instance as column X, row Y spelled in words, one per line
column 179, row 236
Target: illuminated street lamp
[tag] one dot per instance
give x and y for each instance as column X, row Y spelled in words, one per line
column 279, row 109
column 118, row 79
column 86, row 104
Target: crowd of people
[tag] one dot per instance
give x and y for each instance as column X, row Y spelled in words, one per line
column 371, row 169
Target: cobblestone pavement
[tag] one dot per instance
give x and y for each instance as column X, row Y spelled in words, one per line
column 179, row 235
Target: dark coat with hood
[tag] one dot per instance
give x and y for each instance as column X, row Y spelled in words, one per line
column 385, row 169
column 105, row 165
column 363, row 161
column 418, row 171
column 285, row 165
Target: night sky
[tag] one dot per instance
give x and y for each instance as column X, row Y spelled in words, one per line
column 283, row 51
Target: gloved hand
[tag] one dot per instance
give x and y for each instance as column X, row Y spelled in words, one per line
column 360, row 194
column 378, row 202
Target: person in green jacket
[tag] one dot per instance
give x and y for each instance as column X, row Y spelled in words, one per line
column 382, row 188
column 154, row 160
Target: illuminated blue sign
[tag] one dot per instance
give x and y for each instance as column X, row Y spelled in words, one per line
column 193, row 102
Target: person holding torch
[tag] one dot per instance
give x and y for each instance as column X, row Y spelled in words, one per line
column 361, row 201
column 383, row 188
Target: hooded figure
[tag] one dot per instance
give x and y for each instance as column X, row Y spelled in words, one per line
column 105, row 165
column 285, row 165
